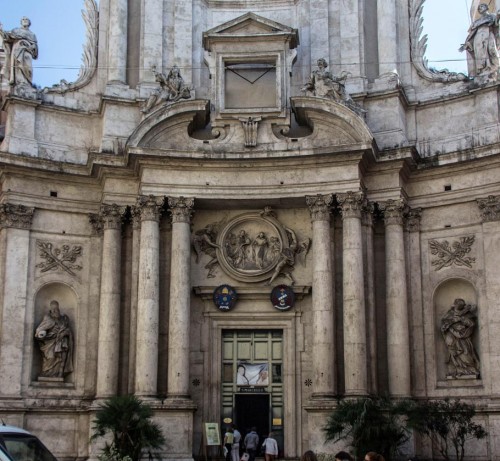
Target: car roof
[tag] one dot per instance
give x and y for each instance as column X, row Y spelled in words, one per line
column 12, row 430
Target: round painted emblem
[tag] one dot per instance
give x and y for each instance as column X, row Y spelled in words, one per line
column 225, row 297
column 282, row 297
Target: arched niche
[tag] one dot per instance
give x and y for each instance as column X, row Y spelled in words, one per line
column 444, row 296
column 68, row 303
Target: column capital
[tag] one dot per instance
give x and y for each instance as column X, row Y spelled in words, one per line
column 413, row 218
column 351, row 204
column 150, row 207
column 319, row 206
column 96, row 222
column 112, row 215
column 135, row 213
column 393, row 211
column 181, row 208
column 16, row 216
column 367, row 212
column 489, row 208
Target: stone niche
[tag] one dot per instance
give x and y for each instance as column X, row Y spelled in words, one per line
column 444, row 298
column 67, row 300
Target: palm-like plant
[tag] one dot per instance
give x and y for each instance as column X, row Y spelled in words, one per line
column 128, row 420
column 369, row 424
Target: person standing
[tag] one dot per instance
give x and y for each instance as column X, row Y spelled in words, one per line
column 270, row 447
column 252, row 443
column 228, row 443
column 235, row 450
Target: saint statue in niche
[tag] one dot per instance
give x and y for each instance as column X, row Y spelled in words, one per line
column 55, row 338
column 481, row 46
column 457, row 327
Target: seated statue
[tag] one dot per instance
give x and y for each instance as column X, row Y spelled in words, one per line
column 172, row 88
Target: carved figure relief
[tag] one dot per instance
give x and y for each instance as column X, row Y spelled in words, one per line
column 448, row 255
column 21, row 47
column 55, row 340
column 324, row 84
column 172, row 89
column 252, row 247
column 59, row 259
column 481, row 46
column 457, row 328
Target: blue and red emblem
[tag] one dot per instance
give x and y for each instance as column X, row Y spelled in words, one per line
column 283, row 297
column 225, row 297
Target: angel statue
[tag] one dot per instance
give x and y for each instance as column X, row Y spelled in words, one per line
column 204, row 242
column 286, row 261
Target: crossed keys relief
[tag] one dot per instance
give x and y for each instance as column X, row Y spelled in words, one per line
column 59, row 258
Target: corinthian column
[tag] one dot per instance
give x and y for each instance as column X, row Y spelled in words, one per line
column 146, row 365
column 398, row 332
column 322, row 298
column 180, row 290
column 117, row 49
column 353, row 291
column 109, row 306
column 15, row 225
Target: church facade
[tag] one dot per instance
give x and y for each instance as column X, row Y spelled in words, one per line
column 244, row 210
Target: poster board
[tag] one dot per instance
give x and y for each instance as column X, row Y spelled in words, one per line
column 212, row 434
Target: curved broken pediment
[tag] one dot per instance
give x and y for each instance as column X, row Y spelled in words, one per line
column 328, row 126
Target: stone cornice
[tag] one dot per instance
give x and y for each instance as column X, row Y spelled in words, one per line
column 181, row 209
column 16, row 216
column 319, row 206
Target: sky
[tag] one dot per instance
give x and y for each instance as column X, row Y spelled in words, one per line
column 60, row 31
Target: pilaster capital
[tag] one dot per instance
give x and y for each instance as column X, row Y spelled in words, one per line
column 351, row 204
column 97, row 223
column 489, row 208
column 135, row 213
column 16, row 216
column 393, row 211
column 150, row 207
column 112, row 215
column 413, row 218
column 367, row 213
column 319, row 206
column 181, row 208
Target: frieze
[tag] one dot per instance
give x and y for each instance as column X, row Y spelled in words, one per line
column 454, row 254
column 59, row 259
column 16, row 216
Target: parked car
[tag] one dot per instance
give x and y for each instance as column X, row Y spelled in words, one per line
column 16, row 444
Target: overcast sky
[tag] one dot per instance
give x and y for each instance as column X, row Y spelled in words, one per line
column 61, row 33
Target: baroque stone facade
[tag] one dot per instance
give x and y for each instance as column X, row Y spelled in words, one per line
column 212, row 151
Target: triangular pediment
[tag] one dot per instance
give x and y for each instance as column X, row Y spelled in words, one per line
column 250, row 24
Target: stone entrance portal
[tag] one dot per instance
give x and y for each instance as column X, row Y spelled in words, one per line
column 252, row 410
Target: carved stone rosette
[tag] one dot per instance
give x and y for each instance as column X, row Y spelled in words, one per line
column 351, row 204
column 16, row 216
column 112, row 215
column 489, row 208
column 413, row 218
column 393, row 211
column 150, row 207
column 181, row 208
column 320, row 206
